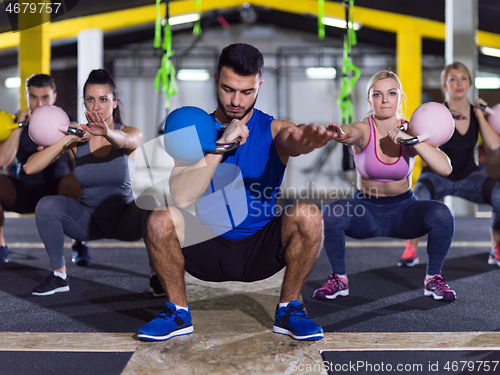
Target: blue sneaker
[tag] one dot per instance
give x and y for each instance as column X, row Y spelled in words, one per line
column 4, row 254
column 293, row 321
column 80, row 254
column 169, row 323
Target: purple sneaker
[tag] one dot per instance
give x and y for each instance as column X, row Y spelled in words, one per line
column 334, row 287
column 438, row 289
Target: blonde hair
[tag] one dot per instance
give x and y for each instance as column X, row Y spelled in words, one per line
column 383, row 75
column 446, row 72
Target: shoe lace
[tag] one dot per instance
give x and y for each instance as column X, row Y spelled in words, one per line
column 167, row 313
column 410, row 251
column 335, row 281
column 439, row 282
column 296, row 312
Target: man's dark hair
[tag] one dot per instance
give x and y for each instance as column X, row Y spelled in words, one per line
column 243, row 59
column 41, row 80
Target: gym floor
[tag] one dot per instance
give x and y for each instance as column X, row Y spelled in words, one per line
column 91, row 329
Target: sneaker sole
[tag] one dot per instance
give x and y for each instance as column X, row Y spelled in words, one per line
column 493, row 262
column 340, row 293
column 50, row 292
column 430, row 293
column 409, row 264
column 284, row 331
column 151, row 290
column 178, row 332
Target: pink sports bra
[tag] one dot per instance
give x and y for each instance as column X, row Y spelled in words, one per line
column 372, row 168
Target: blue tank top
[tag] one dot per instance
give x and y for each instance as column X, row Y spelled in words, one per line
column 51, row 174
column 105, row 183
column 240, row 199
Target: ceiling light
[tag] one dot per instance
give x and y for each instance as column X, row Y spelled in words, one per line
column 193, row 75
column 337, row 22
column 487, row 82
column 183, row 18
column 321, row 73
column 13, row 82
column 490, row 51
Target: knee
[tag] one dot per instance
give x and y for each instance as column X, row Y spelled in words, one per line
column 305, row 216
column 46, row 206
column 160, row 223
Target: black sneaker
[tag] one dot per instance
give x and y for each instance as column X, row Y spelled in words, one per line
column 52, row 284
column 155, row 287
column 80, row 254
column 4, row 254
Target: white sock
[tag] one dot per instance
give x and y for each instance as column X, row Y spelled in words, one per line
column 283, row 304
column 61, row 275
column 428, row 277
column 181, row 308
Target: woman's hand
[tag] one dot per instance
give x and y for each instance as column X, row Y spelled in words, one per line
column 96, row 125
column 338, row 133
column 396, row 134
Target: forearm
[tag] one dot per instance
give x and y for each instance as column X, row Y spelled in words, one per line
column 123, row 140
column 436, row 159
column 43, row 158
column 188, row 183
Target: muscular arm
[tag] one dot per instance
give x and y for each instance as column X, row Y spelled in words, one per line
column 295, row 140
column 43, row 158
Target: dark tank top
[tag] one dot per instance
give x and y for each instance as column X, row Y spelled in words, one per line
column 105, row 183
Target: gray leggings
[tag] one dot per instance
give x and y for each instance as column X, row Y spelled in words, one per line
column 57, row 216
column 476, row 187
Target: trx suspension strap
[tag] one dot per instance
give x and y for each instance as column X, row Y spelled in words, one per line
column 166, row 73
column 350, row 75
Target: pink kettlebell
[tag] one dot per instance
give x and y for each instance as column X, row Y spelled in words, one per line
column 50, row 123
column 493, row 116
column 431, row 123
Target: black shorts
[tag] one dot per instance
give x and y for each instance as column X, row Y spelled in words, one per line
column 252, row 258
column 28, row 194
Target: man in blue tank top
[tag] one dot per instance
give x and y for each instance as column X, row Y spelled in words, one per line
column 19, row 192
column 238, row 233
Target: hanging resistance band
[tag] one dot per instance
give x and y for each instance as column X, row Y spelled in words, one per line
column 321, row 13
column 197, row 24
column 165, row 77
column 350, row 74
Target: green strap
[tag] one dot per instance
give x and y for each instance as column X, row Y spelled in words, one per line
column 350, row 73
column 165, row 77
column 321, row 13
column 197, row 24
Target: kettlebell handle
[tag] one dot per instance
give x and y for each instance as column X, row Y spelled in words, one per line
column 407, row 142
column 224, row 147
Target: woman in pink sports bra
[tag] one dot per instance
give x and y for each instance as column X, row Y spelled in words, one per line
column 384, row 204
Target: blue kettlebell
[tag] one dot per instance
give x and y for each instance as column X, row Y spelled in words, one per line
column 190, row 133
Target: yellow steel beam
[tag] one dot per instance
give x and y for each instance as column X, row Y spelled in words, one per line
column 34, row 48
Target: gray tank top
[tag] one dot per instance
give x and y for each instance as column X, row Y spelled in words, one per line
column 105, row 183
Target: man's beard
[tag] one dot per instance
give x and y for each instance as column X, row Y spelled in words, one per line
column 231, row 115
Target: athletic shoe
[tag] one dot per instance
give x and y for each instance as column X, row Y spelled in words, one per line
column 169, row 323
column 438, row 289
column 52, row 284
column 495, row 255
column 155, row 287
column 80, row 254
column 335, row 286
column 4, row 254
column 293, row 321
column 409, row 257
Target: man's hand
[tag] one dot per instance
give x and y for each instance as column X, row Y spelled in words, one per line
column 234, row 130
column 310, row 136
